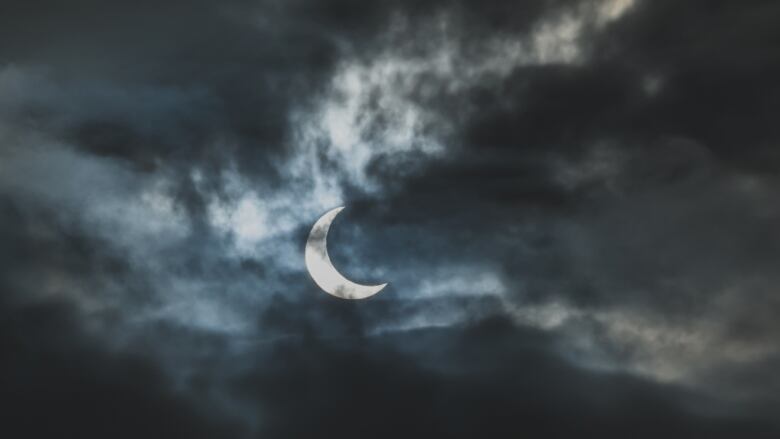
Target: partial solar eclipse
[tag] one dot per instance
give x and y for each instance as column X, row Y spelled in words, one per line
column 321, row 268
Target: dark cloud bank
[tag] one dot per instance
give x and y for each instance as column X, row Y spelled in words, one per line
column 575, row 204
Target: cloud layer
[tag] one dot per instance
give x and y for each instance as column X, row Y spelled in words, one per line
column 574, row 204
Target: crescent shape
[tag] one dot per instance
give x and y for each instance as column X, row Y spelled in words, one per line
column 321, row 268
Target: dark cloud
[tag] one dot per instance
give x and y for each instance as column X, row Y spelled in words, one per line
column 573, row 204
column 54, row 381
column 490, row 378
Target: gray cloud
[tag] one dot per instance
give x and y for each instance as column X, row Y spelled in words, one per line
column 573, row 202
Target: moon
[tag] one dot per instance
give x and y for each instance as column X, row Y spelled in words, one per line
column 321, row 268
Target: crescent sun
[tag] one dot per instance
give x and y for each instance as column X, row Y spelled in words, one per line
column 321, row 268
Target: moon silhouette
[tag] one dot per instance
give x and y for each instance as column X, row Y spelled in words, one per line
column 321, row 268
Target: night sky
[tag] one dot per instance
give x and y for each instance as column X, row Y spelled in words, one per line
column 576, row 205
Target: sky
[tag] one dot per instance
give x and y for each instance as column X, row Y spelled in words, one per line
column 575, row 205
